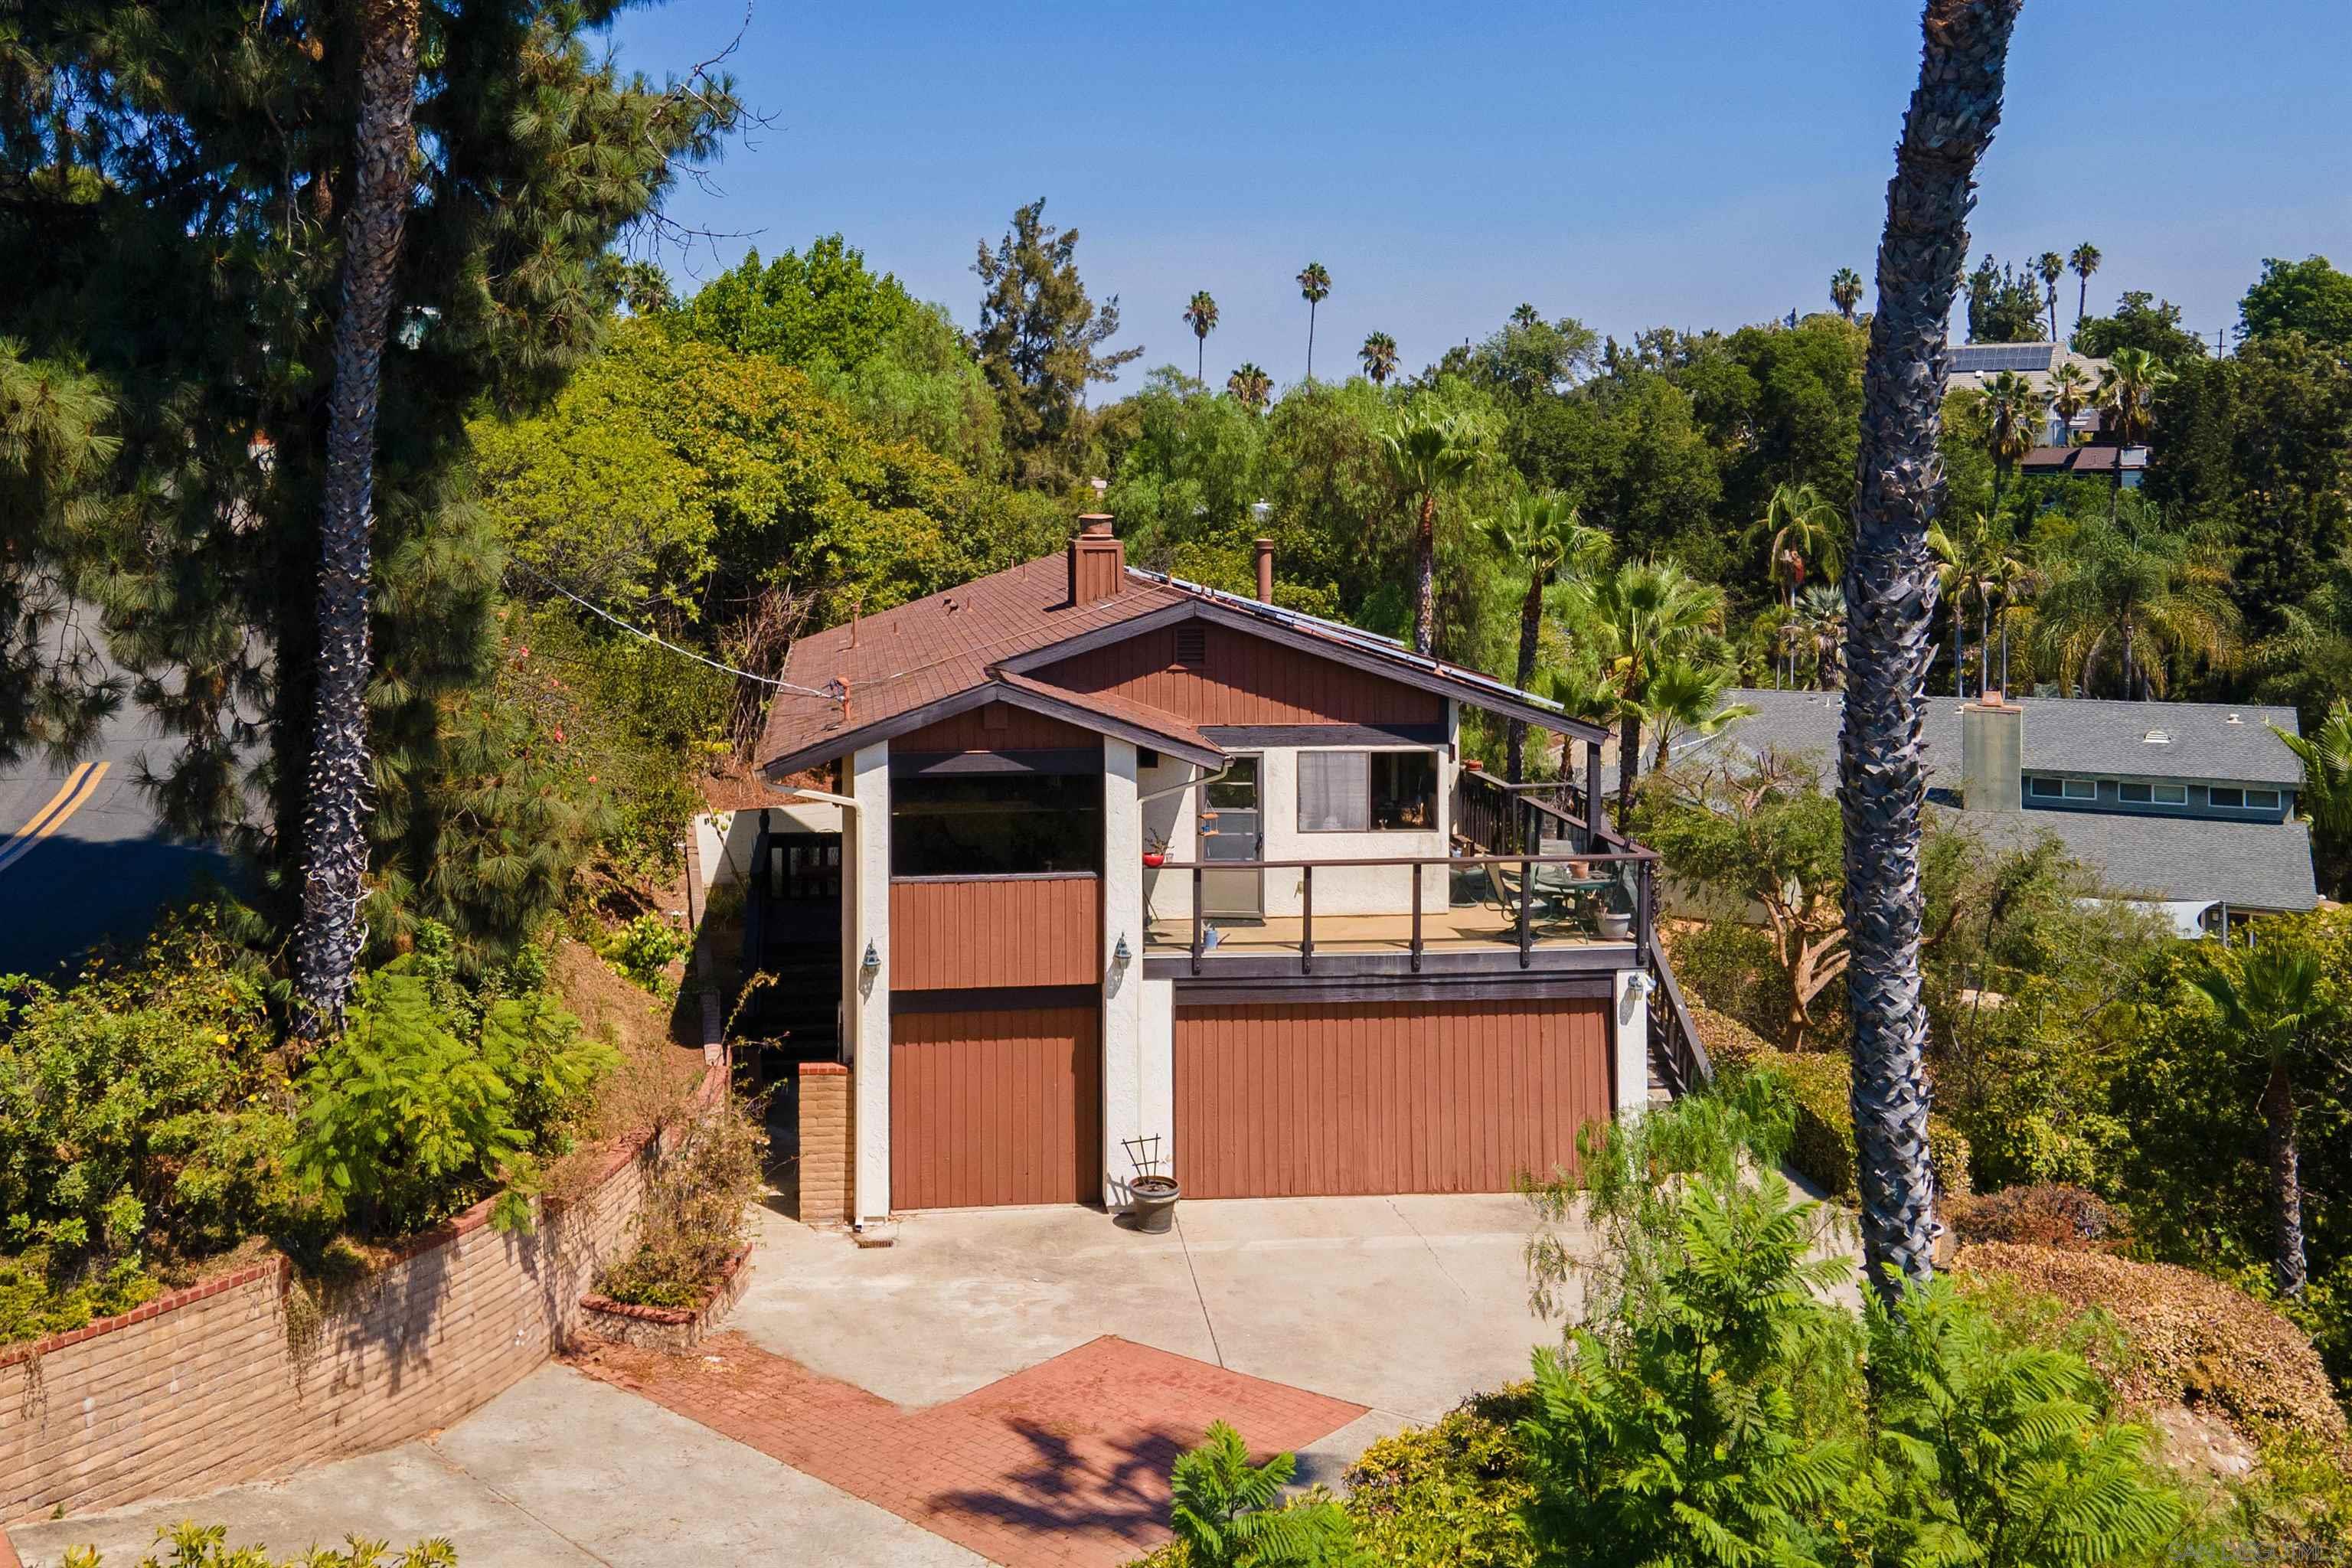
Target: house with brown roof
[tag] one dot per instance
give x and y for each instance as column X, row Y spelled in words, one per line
column 1106, row 869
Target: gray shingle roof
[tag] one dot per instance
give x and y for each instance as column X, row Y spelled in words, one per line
column 2062, row 735
column 2247, row 865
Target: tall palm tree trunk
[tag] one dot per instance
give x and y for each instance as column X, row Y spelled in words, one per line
column 334, row 827
column 1984, row 644
column 1890, row 590
column 1310, row 340
column 1425, row 577
column 1530, row 620
column 1201, row 360
column 2286, row 1179
column 1629, row 765
column 1959, row 654
column 2004, row 645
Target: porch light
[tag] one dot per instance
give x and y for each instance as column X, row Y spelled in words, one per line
column 1121, row 954
column 872, row 960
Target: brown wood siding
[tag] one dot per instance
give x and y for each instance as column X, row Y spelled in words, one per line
column 995, row 932
column 1245, row 681
column 1322, row 1099
column 995, row 1108
column 1022, row 731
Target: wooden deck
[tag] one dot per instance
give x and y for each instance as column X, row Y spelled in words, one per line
column 1476, row 928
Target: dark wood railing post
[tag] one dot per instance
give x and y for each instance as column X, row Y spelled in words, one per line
column 1526, row 914
column 1307, row 920
column 1645, row 910
column 1196, row 919
column 1416, row 919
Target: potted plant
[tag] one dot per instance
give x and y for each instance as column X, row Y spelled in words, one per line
column 1151, row 1193
column 1616, row 925
column 1155, row 850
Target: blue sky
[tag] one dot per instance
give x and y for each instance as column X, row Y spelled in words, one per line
column 1672, row 164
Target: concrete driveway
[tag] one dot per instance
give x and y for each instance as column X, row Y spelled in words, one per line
column 1403, row 1305
column 560, row 1471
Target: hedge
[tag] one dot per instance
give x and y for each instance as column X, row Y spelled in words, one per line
column 1822, row 1152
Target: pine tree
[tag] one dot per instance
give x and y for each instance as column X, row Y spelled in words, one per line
column 1040, row 339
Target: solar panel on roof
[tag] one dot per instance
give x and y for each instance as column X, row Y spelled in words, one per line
column 1990, row 358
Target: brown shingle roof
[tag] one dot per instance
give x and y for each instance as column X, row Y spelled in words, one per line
column 937, row 648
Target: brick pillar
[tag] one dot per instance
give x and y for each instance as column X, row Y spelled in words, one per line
column 825, row 1143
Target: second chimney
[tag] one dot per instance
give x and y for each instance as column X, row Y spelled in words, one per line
column 1097, row 561
column 1992, row 754
column 1265, row 571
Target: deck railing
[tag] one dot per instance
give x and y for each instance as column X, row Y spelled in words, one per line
column 1508, row 819
column 1639, row 861
column 1682, row 1056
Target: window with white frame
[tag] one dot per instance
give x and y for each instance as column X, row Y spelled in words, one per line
column 2226, row 799
column 1367, row 792
column 2152, row 794
column 2262, row 800
column 2043, row 789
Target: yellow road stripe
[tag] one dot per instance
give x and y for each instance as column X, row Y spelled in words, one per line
column 80, row 785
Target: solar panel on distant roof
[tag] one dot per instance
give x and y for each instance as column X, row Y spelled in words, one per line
column 1990, row 358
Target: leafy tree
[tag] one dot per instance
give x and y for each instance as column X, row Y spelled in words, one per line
column 1782, row 406
column 1228, row 1512
column 183, row 225
column 1890, row 598
column 823, row 310
column 1250, row 387
column 2139, row 323
column 1632, row 452
column 2308, row 297
column 1845, row 290
column 55, row 446
column 1041, row 339
column 1527, row 358
column 2051, row 266
column 1380, row 356
column 1201, row 315
column 2004, row 305
column 1542, row 535
column 2266, row 999
column 1430, row 452
column 1314, row 287
column 2083, row 260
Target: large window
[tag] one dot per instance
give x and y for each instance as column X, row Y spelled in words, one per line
column 2132, row 794
column 1367, row 792
column 995, row 824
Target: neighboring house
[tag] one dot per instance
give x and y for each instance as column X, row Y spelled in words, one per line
column 2124, row 466
column 1974, row 364
column 2189, row 806
column 1323, row 989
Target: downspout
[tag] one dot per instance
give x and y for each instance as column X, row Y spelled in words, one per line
column 1175, row 788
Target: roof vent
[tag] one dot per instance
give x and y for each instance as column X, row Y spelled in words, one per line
column 2157, row 738
column 2234, row 718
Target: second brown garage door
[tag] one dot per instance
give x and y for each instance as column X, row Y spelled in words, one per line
column 997, row 1106
column 1289, row 1100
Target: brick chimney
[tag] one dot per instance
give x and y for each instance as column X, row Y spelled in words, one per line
column 1097, row 561
column 1265, row 571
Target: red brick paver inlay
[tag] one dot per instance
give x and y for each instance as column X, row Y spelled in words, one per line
column 1066, row 1463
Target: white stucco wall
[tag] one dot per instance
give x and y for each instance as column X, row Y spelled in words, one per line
column 1629, row 1019
column 1372, row 890
column 866, row 994
column 1122, row 984
column 725, row 839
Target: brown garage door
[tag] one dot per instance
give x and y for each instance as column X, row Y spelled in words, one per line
column 999, row 1106
column 1298, row 1099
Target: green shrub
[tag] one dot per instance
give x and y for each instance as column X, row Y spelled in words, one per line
column 196, row 1545
column 1822, row 1150
column 416, row 1110
column 1451, row 1495
column 695, row 1214
column 145, row 1109
column 1229, row 1513
column 38, row 1298
column 645, row 949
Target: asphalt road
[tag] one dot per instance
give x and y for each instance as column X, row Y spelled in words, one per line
column 82, row 858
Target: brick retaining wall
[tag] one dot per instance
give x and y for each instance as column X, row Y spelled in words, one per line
column 827, row 1157
column 211, row 1385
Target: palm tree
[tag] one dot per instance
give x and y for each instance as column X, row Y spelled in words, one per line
column 2070, row 393
column 2008, row 577
column 2326, row 794
column 1974, row 561
column 2138, row 593
column 1820, row 618
column 1684, row 695
column 2052, row 266
column 2268, row 1003
column 1541, row 534
column 1380, row 356
column 1641, row 620
column 1250, row 386
column 2128, row 390
column 335, row 818
column 1314, row 287
column 1201, row 315
column 1801, row 527
column 2016, row 414
column 1429, row 454
column 1845, row 290
column 1890, row 593
column 2085, row 261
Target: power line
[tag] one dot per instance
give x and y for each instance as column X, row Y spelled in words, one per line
column 600, row 611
